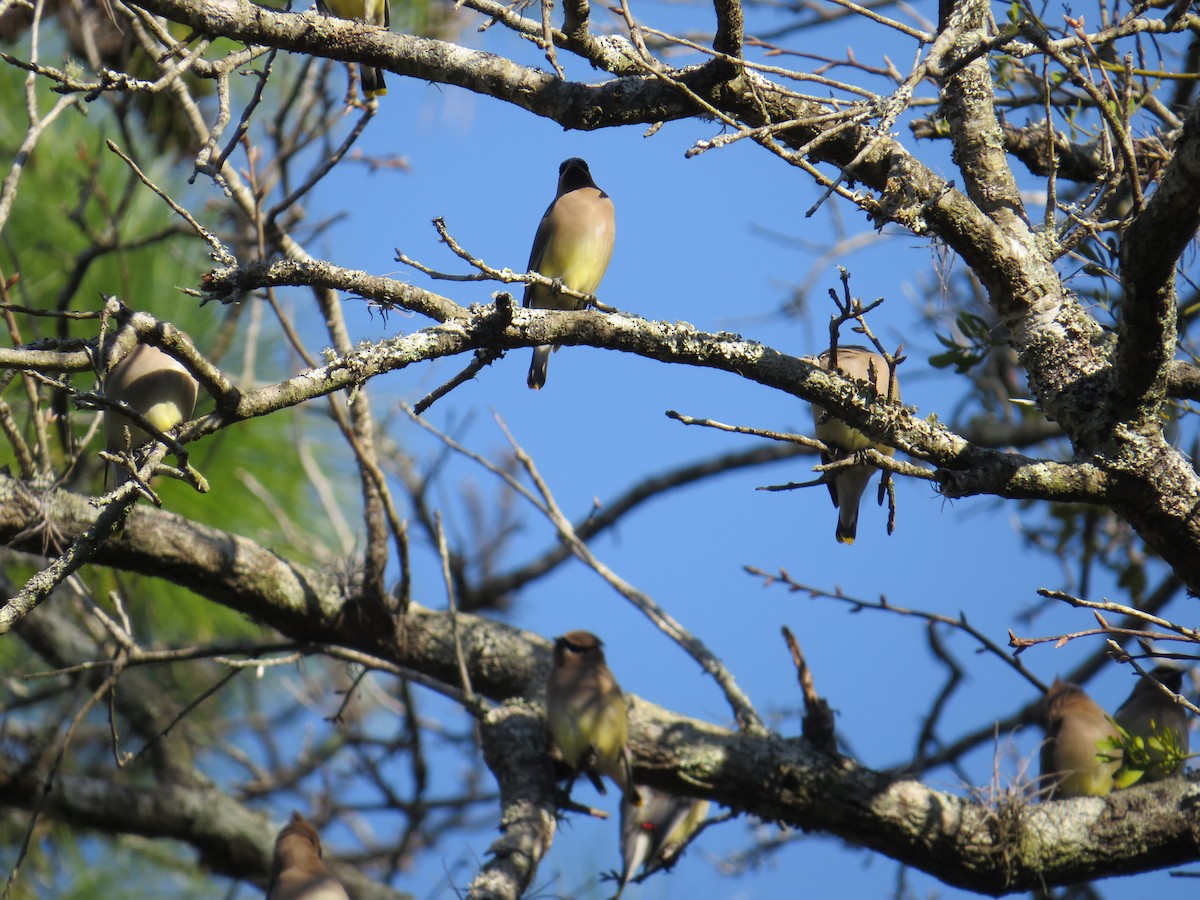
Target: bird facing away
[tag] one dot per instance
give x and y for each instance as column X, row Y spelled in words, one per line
column 1150, row 714
column 573, row 245
column 586, row 714
column 848, row 485
column 653, row 834
column 1074, row 763
column 373, row 12
column 297, row 872
column 154, row 384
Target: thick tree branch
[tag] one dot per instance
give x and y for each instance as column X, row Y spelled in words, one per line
column 730, row 26
column 1183, row 381
column 967, row 103
column 1024, row 288
column 423, row 58
column 911, row 192
column 1002, row 846
column 1158, row 505
column 1154, row 487
column 993, row 849
column 517, row 750
column 387, row 293
column 232, row 840
column 1149, row 252
column 1102, row 391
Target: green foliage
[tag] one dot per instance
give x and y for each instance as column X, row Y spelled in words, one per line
column 131, row 870
column 976, row 345
column 76, row 195
column 1161, row 752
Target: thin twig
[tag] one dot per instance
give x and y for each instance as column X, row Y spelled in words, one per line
column 883, row 605
column 877, row 459
column 220, row 253
column 817, row 725
column 48, row 782
column 482, row 359
column 747, row 718
column 444, row 554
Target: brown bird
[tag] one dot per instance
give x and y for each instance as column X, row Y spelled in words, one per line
column 1151, row 715
column 573, row 245
column 586, row 713
column 654, row 833
column 297, row 872
column 847, row 487
column 155, row 385
column 1075, row 762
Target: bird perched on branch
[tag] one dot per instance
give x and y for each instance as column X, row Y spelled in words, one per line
column 297, row 872
column 155, row 385
column 654, row 833
column 373, row 12
column 847, row 486
column 1160, row 723
column 573, row 245
column 1081, row 752
column 586, row 714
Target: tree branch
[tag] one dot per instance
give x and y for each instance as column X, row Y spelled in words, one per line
column 1149, row 252
column 994, row 849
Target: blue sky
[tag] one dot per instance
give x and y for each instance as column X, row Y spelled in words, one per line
column 690, row 247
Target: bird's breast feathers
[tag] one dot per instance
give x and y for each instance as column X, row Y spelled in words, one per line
column 570, row 738
column 593, row 725
column 579, row 243
column 834, row 432
column 1087, row 783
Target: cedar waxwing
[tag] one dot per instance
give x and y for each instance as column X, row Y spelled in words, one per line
column 574, row 243
column 847, row 487
column 653, row 834
column 155, row 385
column 373, row 12
column 297, row 872
column 1073, row 754
column 586, row 713
column 1151, row 715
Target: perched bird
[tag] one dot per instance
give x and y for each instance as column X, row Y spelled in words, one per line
column 154, row 384
column 297, row 872
column 373, row 12
column 1151, row 715
column 848, row 485
column 1074, row 762
column 586, row 713
column 653, row 834
column 573, row 245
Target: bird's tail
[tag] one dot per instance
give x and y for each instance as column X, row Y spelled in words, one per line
column 850, row 484
column 537, row 368
column 635, row 851
column 629, row 791
column 373, row 84
column 847, row 526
